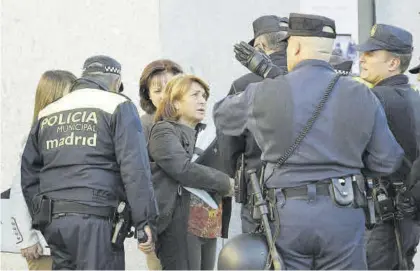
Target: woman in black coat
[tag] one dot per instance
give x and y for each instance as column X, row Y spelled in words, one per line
column 188, row 226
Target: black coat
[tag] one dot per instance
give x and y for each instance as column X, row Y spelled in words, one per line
column 171, row 147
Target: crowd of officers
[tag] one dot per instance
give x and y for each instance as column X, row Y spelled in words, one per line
column 92, row 170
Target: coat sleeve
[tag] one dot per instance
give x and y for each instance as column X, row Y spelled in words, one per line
column 166, row 150
column 30, row 168
column 231, row 115
column 131, row 155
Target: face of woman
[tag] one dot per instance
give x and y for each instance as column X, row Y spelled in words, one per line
column 157, row 85
column 192, row 107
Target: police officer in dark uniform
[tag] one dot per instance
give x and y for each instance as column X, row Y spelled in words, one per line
column 269, row 35
column 85, row 156
column 318, row 226
column 385, row 56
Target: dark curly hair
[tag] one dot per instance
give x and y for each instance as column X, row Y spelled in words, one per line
column 152, row 69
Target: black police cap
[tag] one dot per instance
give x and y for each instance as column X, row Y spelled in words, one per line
column 308, row 25
column 101, row 63
column 269, row 24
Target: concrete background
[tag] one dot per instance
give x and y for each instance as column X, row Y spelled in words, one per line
column 38, row 35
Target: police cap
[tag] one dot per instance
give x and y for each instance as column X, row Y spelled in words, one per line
column 308, row 25
column 415, row 70
column 101, row 63
column 269, row 24
column 388, row 37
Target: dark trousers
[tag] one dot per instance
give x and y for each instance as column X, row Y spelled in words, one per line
column 320, row 235
column 201, row 252
column 178, row 250
column 381, row 246
column 83, row 242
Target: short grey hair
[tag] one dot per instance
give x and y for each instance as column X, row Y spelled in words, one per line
column 275, row 40
column 404, row 60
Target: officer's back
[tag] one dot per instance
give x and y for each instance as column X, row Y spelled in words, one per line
column 83, row 157
column 342, row 132
column 320, row 225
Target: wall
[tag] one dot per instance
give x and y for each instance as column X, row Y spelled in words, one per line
column 59, row 34
column 405, row 14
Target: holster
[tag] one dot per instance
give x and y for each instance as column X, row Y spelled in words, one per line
column 121, row 224
column 269, row 200
column 42, row 212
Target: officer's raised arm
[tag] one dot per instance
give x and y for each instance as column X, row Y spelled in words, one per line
column 131, row 154
column 30, row 168
column 232, row 113
column 383, row 154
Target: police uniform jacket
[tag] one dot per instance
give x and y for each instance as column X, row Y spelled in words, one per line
column 402, row 108
column 88, row 147
column 171, row 147
column 351, row 132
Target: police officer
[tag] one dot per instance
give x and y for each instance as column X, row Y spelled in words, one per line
column 269, row 35
column 84, row 156
column 318, row 227
column 385, row 56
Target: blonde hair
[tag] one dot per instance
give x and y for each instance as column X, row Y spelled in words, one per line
column 52, row 86
column 175, row 91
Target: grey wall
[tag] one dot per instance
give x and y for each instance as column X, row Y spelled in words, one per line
column 38, row 35
column 405, row 14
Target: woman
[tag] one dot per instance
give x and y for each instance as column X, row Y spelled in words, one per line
column 187, row 226
column 52, row 86
column 152, row 83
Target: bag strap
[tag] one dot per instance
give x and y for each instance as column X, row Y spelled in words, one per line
column 309, row 123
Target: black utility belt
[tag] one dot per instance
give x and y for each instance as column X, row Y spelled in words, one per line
column 63, row 207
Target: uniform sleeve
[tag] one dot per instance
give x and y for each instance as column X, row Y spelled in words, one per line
column 231, row 114
column 275, row 71
column 131, row 155
column 30, row 168
column 230, row 148
column 383, row 154
column 166, row 150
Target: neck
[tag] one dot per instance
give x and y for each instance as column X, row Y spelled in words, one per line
column 186, row 122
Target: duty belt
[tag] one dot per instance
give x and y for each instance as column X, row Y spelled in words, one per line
column 302, row 192
column 60, row 207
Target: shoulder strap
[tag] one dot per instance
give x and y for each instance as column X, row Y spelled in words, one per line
column 309, row 123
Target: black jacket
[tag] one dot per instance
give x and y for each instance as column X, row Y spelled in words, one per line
column 402, row 108
column 89, row 147
column 171, row 147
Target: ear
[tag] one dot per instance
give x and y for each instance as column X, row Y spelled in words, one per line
column 394, row 64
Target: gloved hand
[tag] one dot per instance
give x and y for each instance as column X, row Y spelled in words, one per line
column 406, row 206
column 256, row 61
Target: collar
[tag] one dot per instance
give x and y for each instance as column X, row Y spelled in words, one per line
column 313, row 63
column 399, row 79
column 279, row 58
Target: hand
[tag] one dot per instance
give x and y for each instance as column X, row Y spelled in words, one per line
column 257, row 62
column 232, row 188
column 406, row 206
column 149, row 245
column 32, row 252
